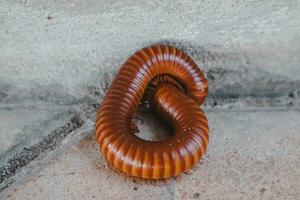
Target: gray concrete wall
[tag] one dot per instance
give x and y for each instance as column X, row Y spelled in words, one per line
column 67, row 47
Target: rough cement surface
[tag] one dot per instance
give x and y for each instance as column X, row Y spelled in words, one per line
column 57, row 58
column 70, row 46
column 250, row 156
column 25, row 124
column 28, row 153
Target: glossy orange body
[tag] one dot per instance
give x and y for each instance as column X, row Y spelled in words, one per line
column 175, row 87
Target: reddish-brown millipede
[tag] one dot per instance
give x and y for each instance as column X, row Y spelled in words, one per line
column 175, row 87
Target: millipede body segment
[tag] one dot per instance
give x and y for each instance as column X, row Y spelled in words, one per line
column 175, row 87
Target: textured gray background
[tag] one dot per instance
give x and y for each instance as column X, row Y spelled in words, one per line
column 72, row 45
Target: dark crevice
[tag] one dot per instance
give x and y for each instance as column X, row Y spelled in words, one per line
column 25, row 156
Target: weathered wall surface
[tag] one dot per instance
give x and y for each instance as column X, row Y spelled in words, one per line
column 54, row 49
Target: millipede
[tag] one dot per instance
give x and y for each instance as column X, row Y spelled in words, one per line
column 175, row 87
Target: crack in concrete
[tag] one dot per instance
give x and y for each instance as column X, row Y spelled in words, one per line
column 22, row 158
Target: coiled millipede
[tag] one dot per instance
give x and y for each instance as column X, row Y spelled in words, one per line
column 175, row 88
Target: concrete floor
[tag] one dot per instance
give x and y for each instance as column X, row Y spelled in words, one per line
column 22, row 131
column 252, row 154
column 57, row 59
